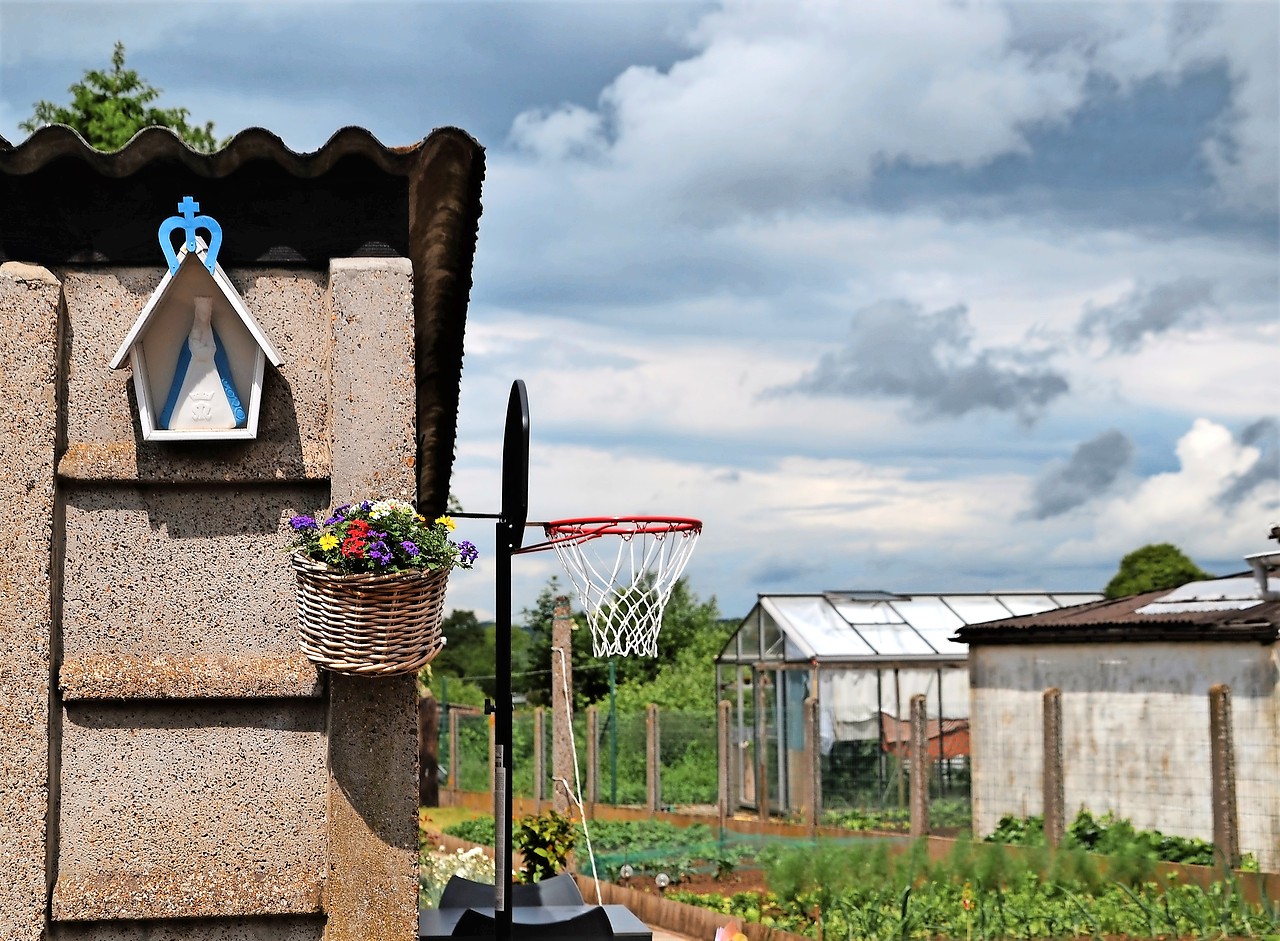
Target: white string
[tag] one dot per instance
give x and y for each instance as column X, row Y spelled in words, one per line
column 576, row 792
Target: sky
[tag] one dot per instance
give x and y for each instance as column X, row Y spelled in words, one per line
column 918, row 296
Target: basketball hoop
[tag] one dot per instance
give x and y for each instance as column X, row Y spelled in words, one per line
column 623, row 570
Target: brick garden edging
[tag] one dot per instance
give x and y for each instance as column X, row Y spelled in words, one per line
column 653, row 910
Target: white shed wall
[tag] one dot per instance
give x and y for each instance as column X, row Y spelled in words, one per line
column 1135, row 721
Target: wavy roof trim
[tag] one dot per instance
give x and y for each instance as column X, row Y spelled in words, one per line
column 152, row 144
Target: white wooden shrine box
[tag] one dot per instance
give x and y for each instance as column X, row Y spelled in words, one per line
column 155, row 346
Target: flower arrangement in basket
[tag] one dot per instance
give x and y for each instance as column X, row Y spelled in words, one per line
column 371, row 580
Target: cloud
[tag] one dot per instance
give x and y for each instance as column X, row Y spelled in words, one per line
column 895, row 349
column 1093, row 467
column 1184, row 506
column 1146, row 312
column 1263, row 436
column 808, row 100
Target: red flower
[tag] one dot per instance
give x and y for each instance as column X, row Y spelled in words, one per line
column 353, row 547
column 358, row 528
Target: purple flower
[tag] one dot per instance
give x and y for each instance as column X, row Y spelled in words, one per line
column 410, row 547
column 467, row 552
column 339, row 514
column 379, row 552
column 299, row 523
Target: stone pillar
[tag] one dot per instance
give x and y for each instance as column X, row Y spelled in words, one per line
column 371, row 890
column 1055, row 822
column 562, row 705
column 29, row 357
column 653, row 771
column 593, row 757
column 723, row 740
column 1222, row 759
column 919, row 765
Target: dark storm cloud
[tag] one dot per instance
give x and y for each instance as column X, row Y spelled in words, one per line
column 897, row 349
column 1091, row 470
column 1148, row 312
column 1264, row 434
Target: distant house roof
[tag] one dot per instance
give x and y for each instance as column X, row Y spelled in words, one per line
column 1233, row 608
column 876, row 626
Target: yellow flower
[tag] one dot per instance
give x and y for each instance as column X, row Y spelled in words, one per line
column 328, row 541
column 447, row 522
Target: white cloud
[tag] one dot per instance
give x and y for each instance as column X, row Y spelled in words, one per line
column 1184, row 506
column 802, row 101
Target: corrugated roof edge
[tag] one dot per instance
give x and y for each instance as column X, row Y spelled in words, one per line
column 1118, row 620
column 151, row 144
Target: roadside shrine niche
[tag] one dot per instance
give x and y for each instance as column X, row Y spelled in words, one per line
column 197, row 354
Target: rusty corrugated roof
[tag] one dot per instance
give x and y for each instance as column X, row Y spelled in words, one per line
column 1119, row 620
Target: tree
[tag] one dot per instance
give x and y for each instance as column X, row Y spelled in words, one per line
column 109, row 107
column 691, row 633
column 1155, row 566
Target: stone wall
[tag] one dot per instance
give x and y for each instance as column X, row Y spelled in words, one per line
column 171, row 766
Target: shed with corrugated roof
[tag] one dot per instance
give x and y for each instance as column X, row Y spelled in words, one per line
column 1128, row 685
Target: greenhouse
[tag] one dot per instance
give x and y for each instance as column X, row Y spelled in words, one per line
column 863, row 656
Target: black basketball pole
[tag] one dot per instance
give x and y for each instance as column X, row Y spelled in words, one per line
column 510, row 534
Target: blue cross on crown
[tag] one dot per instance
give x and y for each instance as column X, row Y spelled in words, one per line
column 188, row 221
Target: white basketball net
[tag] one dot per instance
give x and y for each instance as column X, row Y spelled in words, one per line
column 623, row 572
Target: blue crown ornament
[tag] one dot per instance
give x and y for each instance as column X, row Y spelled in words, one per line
column 189, row 222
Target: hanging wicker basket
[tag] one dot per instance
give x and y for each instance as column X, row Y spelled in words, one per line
column 367, row 624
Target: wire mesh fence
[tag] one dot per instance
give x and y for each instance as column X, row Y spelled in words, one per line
column 668, row 759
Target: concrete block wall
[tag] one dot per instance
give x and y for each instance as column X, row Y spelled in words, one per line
column 172, row 766
column 1135, row 730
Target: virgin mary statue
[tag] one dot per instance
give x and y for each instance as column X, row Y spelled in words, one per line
column 202, row 395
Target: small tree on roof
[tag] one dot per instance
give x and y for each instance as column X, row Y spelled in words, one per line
column 1159, row 565
column 108, row 107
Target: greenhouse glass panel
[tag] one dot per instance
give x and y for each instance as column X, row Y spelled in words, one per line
column 975, row 609
column 1028, row 604
column 894, row 639
column 815, row 630
column 773, row 638
column 876, row 613
column 933, row 621
column 749, row 637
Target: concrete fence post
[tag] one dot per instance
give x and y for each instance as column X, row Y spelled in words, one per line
column 562, row 705
column 428, row 752
column 813, row 752
column 653, row 774
column 761, row 748
column 919, row 765
column 455, row 782
column 539, row 759
column 593, row 757
column 1226, row 830
column 1055, row 820
column 725, row 789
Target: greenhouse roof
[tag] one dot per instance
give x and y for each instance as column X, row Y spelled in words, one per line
column 850, row 626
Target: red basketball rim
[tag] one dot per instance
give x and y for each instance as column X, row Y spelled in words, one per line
column 588, row 527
